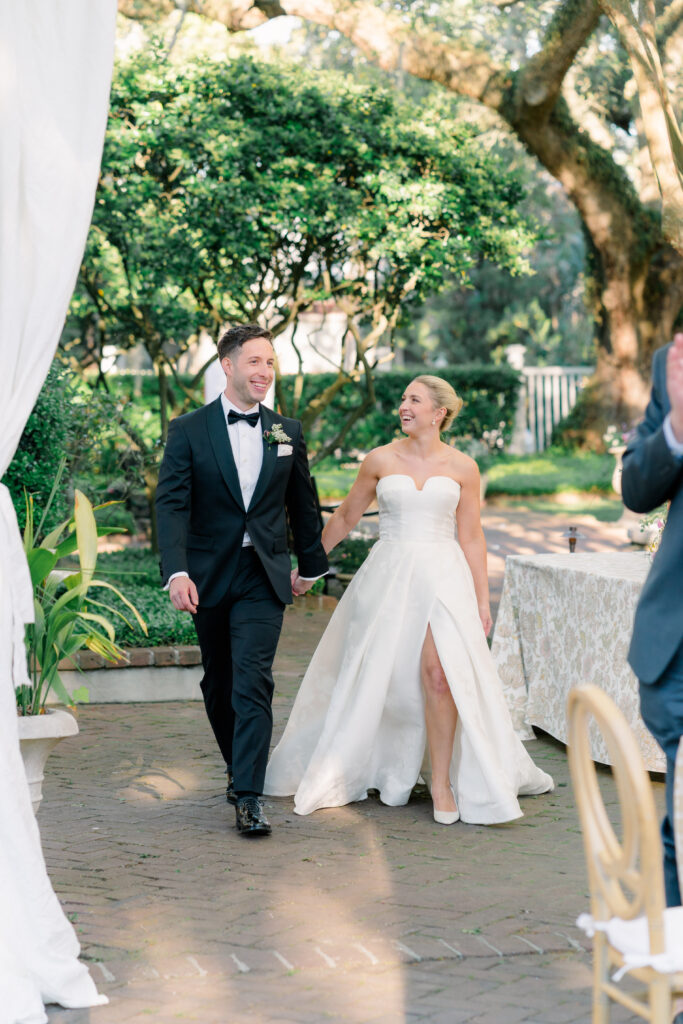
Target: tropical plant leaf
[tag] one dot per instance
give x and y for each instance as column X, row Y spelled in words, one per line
column 51, row 497
column 112, row 611
column 101, row 644
column 86, row 531
column 70, row 543
column 108, row 504
column 104, row 623
column 52, row 541
column 40, row 563
column 28, row 528
column 38, row 624
column 60, row 689
column 77, row 592
column 121, row 597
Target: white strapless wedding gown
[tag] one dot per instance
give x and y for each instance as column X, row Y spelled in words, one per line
column 358, row 719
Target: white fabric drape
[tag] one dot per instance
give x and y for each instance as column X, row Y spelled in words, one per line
column 55, row 72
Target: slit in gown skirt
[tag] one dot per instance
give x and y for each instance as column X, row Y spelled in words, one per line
column 358, row 720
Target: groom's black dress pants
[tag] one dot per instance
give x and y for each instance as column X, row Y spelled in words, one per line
column 238, row 638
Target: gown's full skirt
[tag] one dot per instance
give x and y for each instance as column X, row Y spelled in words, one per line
column 358, row 720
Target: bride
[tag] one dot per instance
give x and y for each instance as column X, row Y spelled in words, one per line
column 405, row 656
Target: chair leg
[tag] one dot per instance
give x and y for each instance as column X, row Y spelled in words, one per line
column 601, row 1006
column 660, row 1001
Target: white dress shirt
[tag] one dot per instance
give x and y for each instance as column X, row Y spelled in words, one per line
column 247, row 449
column 676, row 447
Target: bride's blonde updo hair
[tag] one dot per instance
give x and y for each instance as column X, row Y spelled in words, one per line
column 443, row 396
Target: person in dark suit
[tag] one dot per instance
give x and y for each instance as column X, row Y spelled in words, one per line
column 232, row 475
column 652, row 475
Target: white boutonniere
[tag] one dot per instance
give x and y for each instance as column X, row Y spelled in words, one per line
column 276, row 435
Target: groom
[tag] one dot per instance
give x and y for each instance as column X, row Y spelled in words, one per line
column 653, row 474
column 232, row 475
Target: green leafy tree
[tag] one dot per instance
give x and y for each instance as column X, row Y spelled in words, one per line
column 592, row 99
column 246, row 191
column 546, row 311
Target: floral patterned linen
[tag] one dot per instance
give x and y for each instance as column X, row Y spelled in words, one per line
column 565, row 620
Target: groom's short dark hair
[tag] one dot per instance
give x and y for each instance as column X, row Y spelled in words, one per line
column 236, row 336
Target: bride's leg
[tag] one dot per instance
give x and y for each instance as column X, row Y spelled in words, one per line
column 441, row 717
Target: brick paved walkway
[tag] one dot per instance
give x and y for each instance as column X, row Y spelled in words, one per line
column 516, row 531
column 360, row 914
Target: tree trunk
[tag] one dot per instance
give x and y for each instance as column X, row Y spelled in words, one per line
column 151, row 482
column 636, row 304
column 163, row 398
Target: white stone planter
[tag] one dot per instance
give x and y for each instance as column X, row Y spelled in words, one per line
column 38, row 735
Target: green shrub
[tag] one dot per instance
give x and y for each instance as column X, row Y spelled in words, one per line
column 349, row 555
column 42, row 447
column 135, row 571
column 489, row 394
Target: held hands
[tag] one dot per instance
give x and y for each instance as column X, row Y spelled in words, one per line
column 485, row 616
column 183, row 594
column 674, row 384
column 300, row 586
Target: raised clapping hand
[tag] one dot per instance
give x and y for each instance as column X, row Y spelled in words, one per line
column 674, row 384
column 183, row 594
column 300, row 586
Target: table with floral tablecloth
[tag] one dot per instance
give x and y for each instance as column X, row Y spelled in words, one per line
column 566, row 619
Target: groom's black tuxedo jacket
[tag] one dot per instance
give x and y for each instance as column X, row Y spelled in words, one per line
column 651, row 476
column 201, row 517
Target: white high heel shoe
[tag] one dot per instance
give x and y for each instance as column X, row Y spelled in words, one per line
column 446, row 817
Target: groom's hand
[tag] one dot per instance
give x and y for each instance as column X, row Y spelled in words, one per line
column 183, row 594
column 300, row 586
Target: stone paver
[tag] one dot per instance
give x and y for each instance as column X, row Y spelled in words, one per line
column 365, row 914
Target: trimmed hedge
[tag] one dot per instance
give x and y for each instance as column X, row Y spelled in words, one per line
column 489, row 394
column 135, row 571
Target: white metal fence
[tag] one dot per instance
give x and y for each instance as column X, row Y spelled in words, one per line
column 547, row 395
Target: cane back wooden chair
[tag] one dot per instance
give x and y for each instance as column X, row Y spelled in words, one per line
column 633, row 930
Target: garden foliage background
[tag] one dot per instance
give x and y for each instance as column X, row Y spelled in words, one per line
column 248, row 181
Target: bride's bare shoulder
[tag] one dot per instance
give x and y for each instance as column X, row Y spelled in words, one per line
column 464, row 466
column 378, row 459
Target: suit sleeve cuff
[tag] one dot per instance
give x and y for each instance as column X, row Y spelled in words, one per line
column 675, row 447
column 308, row 579
column 175, row 576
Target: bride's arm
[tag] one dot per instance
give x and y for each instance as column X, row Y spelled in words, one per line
column 344, row 518
column 472, row 541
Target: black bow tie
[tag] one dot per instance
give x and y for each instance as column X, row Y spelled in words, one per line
column 251, row 418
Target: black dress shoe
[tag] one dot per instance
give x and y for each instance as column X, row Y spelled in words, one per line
column 251, row 821
column 230, row 789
